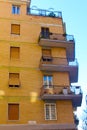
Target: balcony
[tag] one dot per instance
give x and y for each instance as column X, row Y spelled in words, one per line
column 56, row 64
column 42, row 12
column 56, row 92
column 59, row 40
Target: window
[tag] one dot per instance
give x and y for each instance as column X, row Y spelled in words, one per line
column 46, row 52
column 14, row 52
column 47, row 81
column 15, row 29
column 14, row 80
column 45, row 32
column 13, row 111
column 15, row 9
column 46, row 55
column 50, row 111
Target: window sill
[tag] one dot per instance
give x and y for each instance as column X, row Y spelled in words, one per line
column 15, row 34
column 15, row 14
column 13, row 120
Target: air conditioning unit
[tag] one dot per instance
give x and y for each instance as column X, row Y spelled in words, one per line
column 32, row 122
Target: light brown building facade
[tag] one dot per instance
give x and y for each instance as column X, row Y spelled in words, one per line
column 37, row 67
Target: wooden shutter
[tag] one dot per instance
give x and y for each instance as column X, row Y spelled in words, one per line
column 14, row 79
column 46, row 52
column 13, row 111
column 14, row 52
column 15, row 29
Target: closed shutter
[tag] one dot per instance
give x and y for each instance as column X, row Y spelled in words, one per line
column 46, row 52
column 46, row 55
column 13, row 111
column 15, row 29
column 14, row 52
column 14, row 79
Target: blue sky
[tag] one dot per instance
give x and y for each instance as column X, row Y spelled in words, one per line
column 74, row 14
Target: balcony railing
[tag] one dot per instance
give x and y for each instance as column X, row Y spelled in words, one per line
column 57, row 89
column 59, row 61
column 57, row 64
column 56, row 36
column 56, row 92
column 58, row 40
column 42, row 12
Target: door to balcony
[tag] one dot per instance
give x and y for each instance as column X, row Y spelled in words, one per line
column 47, row 81
column 45, row 32
column 57, row 64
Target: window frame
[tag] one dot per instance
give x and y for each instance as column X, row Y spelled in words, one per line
column 45, row 32
column 50, row 111
column 48, row 82
column 16, row 9
column 18, row 111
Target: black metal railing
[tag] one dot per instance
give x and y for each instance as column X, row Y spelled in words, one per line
column 42, row 12
column 55, row 36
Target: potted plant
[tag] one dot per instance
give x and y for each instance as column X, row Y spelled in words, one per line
column 64, row 34
column 52, row 14
column 65, row 91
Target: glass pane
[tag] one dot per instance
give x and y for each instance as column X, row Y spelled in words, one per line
column 47, row 81
column 53, row 113
column 18, row 10
column 50, row 80
column 45, row 78
column 47, row 112
column 13, row 9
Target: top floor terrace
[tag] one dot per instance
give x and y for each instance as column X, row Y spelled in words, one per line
column 43, row 12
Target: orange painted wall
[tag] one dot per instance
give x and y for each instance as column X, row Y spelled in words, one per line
column 31, row 78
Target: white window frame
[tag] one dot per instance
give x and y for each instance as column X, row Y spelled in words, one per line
column 46, row 82
column 15, row 9
column 50, row 111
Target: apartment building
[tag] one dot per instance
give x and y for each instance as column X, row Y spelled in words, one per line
column 37, row 68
